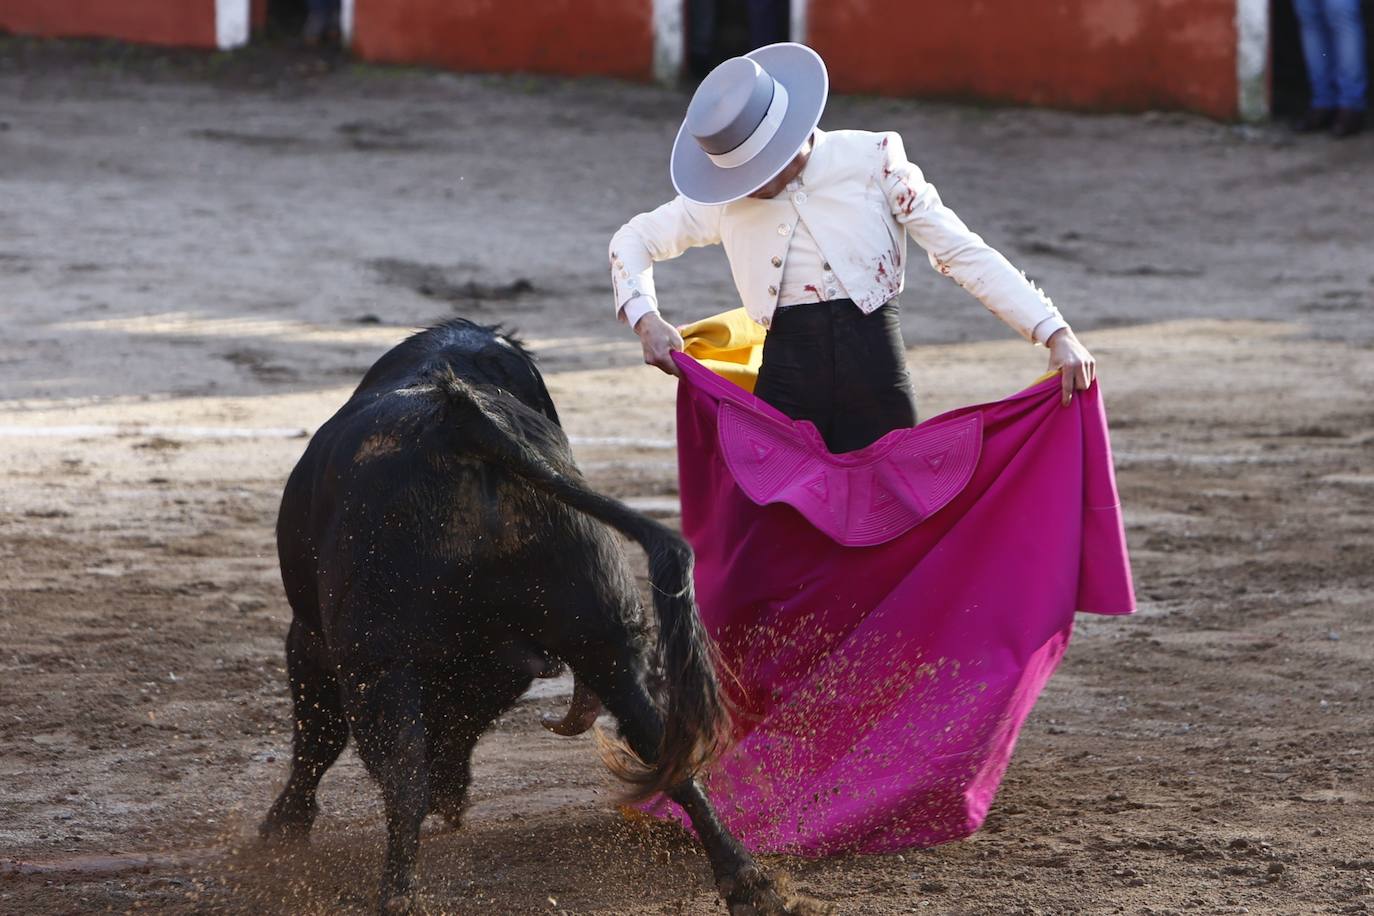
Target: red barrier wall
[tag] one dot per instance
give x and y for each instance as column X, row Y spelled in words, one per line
column 1127, row 55
column 160, row 22
column 575, row 37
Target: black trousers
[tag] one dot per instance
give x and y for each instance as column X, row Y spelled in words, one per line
column 839, row 368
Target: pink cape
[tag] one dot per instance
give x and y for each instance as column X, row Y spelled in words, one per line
column 887, row 617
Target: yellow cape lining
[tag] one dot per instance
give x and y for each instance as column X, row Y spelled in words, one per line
column 730, row 344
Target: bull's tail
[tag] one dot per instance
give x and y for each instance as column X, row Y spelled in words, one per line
column 696, row 726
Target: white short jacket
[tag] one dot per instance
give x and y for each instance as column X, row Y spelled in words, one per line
column 859, row 193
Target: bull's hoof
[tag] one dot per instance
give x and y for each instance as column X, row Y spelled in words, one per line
column 451, row 812
column 402, row 904
column 285, row 830
column 752, row 893
column 284, row 837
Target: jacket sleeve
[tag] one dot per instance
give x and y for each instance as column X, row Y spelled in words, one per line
column 960, row 253
column 659, row 235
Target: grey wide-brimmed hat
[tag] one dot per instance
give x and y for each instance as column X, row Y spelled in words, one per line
column 746, row 121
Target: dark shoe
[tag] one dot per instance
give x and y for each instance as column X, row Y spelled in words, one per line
column 333, row 31
column 316, row 24
column 1348, row 123
column 1313, row 120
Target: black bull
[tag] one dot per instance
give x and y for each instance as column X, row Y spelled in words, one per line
column 439, row 549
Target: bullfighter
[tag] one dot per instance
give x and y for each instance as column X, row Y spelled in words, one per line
column 813, row 225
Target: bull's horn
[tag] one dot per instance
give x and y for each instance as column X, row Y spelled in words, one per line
column 581, row 715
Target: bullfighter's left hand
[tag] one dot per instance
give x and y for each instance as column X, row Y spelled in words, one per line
column 1073, row 362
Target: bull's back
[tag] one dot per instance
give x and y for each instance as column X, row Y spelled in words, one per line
column 387, row 509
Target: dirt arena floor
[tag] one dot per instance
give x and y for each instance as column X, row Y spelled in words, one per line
column 199, row 256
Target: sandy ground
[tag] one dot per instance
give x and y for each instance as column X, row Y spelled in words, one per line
column 199, row 256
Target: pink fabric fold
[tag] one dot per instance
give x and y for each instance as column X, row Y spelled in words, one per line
column 889, row 616
column 857, row 499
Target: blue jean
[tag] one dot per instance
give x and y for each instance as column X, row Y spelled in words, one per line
column 768, row 23
column 1333, row 44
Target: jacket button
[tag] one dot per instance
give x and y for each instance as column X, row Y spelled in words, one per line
column 799, row 197
column 772, row 290
column 777, row 261
column 831, row 292
column 783, row 229
column 826, row 267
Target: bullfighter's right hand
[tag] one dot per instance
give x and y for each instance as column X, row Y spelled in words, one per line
column 659, row 339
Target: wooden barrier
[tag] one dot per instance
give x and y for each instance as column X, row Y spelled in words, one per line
column 1208, row 56
column 1125, row 55
column 573, row 37
column 181, row 23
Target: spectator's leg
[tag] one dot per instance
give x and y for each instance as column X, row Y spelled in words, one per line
column 1347, row 45
column 322, row 23
column 334, row 22
column 1317, row 51
column 701, row 36
column 316, row 21
column 768, row 22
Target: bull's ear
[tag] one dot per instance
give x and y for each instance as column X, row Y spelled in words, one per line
column 545, row 404
column 514, row 370
column 546, row 401
column 551, row 412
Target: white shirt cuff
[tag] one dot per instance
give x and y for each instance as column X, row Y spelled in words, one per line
column 636, row 308
column 1046, row 328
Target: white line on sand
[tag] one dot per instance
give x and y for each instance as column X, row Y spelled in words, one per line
column 96, row 431
column 623, row 442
